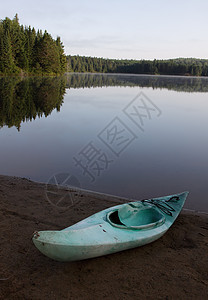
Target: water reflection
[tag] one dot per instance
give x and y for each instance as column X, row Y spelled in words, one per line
column 168, row 157
column 25, row 99
column 176, row 83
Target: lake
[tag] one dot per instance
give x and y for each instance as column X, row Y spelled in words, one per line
column 127, row 135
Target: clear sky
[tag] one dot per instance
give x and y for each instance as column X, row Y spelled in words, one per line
column 135, row 29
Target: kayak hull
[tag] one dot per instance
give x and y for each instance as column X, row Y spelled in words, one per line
column 98, row 235
column 69, row 252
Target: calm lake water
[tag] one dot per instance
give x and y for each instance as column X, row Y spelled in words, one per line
column 133, row 136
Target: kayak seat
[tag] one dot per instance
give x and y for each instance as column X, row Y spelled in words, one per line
column 136, row 217
column 114, row 218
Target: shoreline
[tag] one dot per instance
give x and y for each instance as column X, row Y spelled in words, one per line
column 101, row 195
column 98, row 73
column 109, row 197
column 175, row 266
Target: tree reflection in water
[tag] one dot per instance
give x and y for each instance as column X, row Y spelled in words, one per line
column 25, row 99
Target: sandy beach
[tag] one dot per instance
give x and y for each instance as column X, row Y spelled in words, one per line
column 174, row 267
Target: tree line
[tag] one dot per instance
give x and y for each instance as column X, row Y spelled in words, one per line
column 23, row 50
column 178, row 66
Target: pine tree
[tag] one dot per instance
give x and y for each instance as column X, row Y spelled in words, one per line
column 7, row 64
column 62, row 56
column 47, row 55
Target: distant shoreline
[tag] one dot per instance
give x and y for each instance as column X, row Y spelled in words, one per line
column 133, row 74
column 178, row 66
column 98, row 73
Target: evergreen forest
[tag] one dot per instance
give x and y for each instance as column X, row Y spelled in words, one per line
column 178, row 66
column 25, row 51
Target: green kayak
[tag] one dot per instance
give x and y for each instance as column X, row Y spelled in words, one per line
column 112, row 230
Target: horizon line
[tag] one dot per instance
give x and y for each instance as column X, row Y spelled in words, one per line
column 137, row 59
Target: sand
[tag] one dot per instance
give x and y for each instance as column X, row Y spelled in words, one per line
column 173, row 267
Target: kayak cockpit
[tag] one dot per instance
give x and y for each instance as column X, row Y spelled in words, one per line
column 131, row 216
